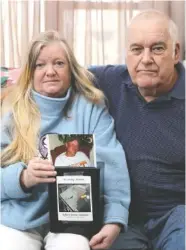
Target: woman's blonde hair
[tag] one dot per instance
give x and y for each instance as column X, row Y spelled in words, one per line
column 25, row 116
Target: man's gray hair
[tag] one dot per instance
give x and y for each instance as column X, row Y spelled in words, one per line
column 173, row 29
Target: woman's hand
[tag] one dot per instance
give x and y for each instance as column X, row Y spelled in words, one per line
column 105, row 237
column 38, row 171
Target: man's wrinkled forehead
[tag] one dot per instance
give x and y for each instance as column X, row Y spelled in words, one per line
column 148, row 31
column 148, row 39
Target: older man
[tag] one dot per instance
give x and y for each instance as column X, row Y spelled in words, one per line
column 147, row 100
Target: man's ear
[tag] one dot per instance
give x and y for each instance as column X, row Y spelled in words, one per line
column 176, row 53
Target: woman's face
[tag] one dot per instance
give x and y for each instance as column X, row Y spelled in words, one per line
column 52, row 75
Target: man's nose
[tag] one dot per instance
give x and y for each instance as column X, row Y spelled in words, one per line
column 147, row 56
column 50, row 70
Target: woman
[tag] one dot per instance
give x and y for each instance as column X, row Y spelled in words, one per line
column 54, row 94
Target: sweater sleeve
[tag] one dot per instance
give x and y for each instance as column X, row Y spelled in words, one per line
column 116, row 177
column 10, row 175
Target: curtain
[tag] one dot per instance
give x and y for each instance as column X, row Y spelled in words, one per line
column 95, row 29
column 20, row 21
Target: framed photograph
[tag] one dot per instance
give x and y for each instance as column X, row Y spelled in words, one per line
column 75, row 150
column 74, row 198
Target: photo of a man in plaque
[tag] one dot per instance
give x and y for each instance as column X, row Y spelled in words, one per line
column 72, row 155
column 74, row 198
column 75, row 150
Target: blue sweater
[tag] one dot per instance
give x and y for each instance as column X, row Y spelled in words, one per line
column 153, row 136
column 22, row 210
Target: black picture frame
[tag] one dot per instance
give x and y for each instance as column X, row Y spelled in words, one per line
column 84, row 227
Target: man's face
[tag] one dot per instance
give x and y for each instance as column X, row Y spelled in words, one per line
column 72, row 147
column 150, row 54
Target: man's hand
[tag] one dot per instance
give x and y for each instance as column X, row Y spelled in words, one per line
column 105, row 237
column 38, row 171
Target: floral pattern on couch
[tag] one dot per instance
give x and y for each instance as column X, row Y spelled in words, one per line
column 8, row 76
